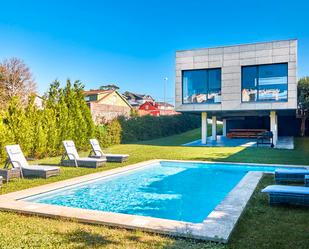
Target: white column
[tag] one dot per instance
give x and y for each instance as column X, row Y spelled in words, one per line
column 204, row 127
column 224, row 127
column 214, row 128
column 274, row 126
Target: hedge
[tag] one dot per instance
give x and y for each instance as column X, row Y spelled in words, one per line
column 150, row 127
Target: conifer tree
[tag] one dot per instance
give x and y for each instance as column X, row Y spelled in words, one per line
column 5, row 137
column 18, row 124
column 37, row 132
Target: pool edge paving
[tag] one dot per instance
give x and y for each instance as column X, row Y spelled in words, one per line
column 218, row 226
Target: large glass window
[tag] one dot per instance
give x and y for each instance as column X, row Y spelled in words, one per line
column 201, row 86
column 265, row 83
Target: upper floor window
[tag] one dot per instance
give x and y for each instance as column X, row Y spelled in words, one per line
column 265, row 82
column 90, row 98
column 201, row 86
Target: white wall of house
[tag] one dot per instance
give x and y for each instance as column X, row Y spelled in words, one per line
column 230, row 59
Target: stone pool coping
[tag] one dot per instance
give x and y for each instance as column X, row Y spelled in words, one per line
column 218, row 225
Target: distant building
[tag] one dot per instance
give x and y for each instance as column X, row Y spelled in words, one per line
column 156, row 109
column 106, row 105
column 166, row 109
column 38, row 101
column 149, row 108
column 164, row 106
column 136, row 99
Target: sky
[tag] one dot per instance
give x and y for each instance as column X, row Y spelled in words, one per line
column 132, row 43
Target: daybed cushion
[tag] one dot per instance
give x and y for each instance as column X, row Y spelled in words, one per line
column 41, row 167
column 116, row 155
column 286, row 189
column 292, row 171
column 89, row 159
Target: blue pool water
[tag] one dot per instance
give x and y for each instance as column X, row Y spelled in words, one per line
column 171, row 190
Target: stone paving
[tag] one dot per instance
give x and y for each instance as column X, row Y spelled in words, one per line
column 282, row 143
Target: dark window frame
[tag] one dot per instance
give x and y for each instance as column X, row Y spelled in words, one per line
column 257, row 87
column 207, row 85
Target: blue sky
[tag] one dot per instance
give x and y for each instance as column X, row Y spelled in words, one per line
column 133, row 43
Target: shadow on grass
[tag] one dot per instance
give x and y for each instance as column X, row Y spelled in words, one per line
column 51, row 164
column 85, row 239
column 174, row 243
column 297, row 156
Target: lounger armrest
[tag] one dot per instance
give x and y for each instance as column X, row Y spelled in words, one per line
column 9, row 161
column 90, row 153
column 70, row 154
column 100, row 152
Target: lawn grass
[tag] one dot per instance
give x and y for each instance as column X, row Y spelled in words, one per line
column 261, row 226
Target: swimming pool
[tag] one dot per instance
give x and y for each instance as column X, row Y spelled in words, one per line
column 201, row 200
column 181, row 191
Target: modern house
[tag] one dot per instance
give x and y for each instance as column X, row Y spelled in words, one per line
column 251, row 86
column 136, row 99
column 106, row 105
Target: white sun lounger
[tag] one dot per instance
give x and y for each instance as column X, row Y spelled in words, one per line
column 97, row 152
column 73, row 158
column 18, row 160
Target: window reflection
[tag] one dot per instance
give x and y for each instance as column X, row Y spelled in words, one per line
column 249, row 83
column 214, row 86
column 265, row 83
column 201, row 86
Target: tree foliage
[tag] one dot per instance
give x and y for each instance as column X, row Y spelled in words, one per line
column 16, row 80
column 40, row 132
column 303, row 102
column 109, row 87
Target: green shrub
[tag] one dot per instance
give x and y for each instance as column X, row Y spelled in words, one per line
column 149, row 127
column 6, row 136
column 109, row 134
column 18, row 124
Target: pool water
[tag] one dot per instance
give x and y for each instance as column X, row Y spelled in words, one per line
column 171, row 190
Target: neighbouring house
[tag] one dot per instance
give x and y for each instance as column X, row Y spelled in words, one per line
column 165, row 106
column 148, row 108
column 156, row 109
column 166, row 109
column 106, row 105
column 250, row 86
column 136, row 99
column 38, row 101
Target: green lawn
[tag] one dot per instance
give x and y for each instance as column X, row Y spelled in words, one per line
column 261, row 226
